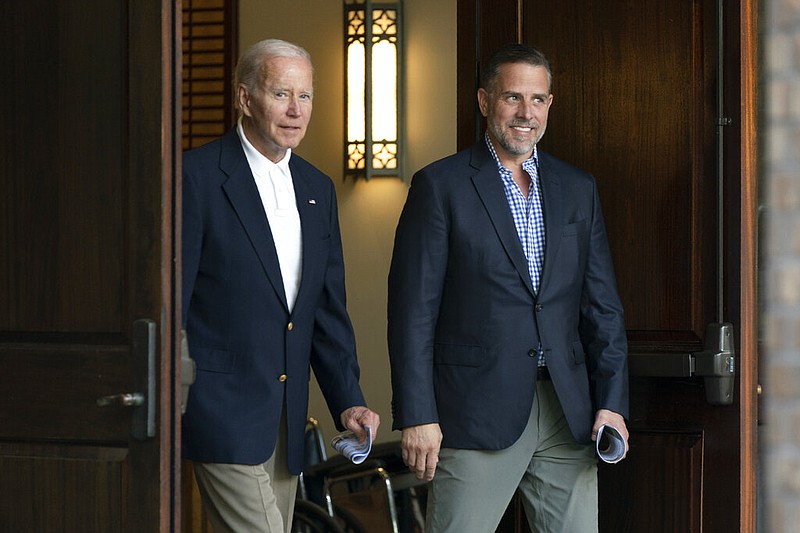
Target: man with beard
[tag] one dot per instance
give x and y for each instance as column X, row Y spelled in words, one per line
column 506, row 334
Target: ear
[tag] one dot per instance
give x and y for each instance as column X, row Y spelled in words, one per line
column 243, row 99
column 483, row 101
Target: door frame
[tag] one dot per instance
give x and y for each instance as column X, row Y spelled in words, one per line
column 162, row 41
column 747, row 159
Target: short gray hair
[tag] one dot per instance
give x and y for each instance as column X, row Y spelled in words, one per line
column 249, row 70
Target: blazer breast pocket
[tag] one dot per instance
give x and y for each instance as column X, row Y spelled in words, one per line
column 575, row 228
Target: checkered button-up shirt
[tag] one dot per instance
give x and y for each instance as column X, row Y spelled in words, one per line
column 527, row 212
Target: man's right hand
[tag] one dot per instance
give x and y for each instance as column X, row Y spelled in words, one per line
column 421, row 449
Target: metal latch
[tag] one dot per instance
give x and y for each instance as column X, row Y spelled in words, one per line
column 716, row 363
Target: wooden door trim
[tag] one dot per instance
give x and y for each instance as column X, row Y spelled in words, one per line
column 157, row 81
column 170, row 369
column 748, row 382
column 172, row 395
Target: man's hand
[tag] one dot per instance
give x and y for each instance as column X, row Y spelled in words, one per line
column 356, row 418
column 421, row 449
column 604, row 416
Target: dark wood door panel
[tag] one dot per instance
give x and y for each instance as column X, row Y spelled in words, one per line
column 64, row 175
column 88, row 118
column 40, row 404
column 69, row 489
column 669, row 460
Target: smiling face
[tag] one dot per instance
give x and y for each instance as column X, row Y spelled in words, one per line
column 516, row 105
column 276, row 114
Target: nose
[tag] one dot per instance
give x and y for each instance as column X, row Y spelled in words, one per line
column 294, row 106
column 526, row 109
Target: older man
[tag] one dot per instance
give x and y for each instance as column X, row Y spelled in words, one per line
column 263, row 299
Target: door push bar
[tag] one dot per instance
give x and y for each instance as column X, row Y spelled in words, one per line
column 716, row 364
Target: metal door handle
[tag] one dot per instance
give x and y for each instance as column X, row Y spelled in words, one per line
column 126, row 399
column 143, row 358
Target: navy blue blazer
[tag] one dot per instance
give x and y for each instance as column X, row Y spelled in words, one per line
column 464, row 321
column 252, row 354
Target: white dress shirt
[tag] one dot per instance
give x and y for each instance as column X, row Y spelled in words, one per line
column 275, row 186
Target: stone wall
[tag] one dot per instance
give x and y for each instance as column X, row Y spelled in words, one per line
column 779, row 147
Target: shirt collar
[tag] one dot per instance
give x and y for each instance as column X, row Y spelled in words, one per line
column 530, row 163
column 259, row 163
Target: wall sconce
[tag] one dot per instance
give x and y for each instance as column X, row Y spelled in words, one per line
column 373, row 88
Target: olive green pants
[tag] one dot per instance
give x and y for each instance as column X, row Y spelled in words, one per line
column 557, row 479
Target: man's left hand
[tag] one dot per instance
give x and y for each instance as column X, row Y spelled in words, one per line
column 604, row 416
column 358, row 417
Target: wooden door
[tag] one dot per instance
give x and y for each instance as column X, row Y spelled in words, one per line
column 87, row 273
column 656, row 99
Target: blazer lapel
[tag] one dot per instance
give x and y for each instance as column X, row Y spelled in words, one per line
column 551, row 208
column 241, row 190
column 308, row 205
column 490, row 189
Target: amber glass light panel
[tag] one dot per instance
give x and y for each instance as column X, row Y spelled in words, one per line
column 372, row 92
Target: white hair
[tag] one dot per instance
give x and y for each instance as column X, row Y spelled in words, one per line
column 250, row 66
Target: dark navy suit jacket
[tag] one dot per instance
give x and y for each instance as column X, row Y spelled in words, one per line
column 465, row 323
column 252, row 354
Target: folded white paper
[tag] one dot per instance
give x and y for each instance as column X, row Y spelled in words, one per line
column 347, row 444
column 610, row 445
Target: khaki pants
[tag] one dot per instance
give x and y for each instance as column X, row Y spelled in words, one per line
column 249, row 498
column 556, row 477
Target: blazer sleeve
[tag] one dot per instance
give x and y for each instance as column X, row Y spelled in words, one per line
column 333, row 349
column 416, row 278
column 191, row 238
column 601, row 323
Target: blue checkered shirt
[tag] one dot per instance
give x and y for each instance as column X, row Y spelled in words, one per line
column 527, row 212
